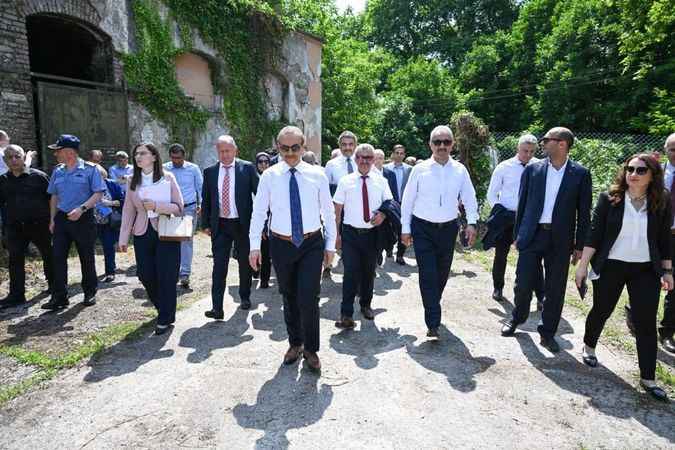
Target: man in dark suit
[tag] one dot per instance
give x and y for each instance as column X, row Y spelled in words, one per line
column 552, row 220
column 401, row 172
column 227, row 204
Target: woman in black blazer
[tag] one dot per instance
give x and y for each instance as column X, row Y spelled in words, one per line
column 629, row 245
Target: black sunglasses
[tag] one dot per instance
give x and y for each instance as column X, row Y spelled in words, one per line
column 438, row 142
column 546, row 139
column 365, row 158
column 293, row 148
column 638, row 170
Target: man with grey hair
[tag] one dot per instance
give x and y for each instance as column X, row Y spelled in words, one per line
column 309, row 157
column 552, row 220
column 227, row 203
column 121, row 171
column 24, row 203
column 429, row 213
column 502, row 195
column 667, row 328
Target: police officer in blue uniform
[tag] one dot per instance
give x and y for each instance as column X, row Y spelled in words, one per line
column 76, row 186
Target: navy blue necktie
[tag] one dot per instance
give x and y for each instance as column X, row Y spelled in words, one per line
column 296, row 210
column 350, row 168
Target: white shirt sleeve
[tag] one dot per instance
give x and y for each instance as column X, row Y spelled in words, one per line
column 408, row 202
column 468, row 195
column 261, row 204
column 329, row 172
column 327, row 214
column 386, row 194
column 339, row 196
column 496, row 183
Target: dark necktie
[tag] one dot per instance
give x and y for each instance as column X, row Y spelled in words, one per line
column 350, row 168
column 296, row 210
column 364, row 196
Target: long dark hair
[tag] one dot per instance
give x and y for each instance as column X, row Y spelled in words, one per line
column 157, row 171
column 656, row 197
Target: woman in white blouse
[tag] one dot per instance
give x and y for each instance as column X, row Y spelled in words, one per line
column 629, row 245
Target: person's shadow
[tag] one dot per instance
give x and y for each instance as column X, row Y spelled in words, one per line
column 45, row 324
column 368, row 342
column 214, row 335
column 285, row 402
column 272, row 319
column 128, row 355
column 606, row 392
column 450, row 357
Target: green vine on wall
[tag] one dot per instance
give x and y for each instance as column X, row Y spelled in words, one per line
column 247, row 35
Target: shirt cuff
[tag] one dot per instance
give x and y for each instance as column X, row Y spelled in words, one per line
column 405, row 228
column 254, row 244
column 330, row 245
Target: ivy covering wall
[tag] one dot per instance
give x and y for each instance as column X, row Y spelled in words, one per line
column 247, row 35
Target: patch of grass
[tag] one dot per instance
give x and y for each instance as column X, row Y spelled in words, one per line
column 664, row 375
column 11, row 392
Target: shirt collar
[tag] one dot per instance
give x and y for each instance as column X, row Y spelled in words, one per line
column 301, row 166
column 221, row 164
column 80, row 163
column 562, row 169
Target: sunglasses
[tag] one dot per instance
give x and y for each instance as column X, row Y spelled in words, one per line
column 638, row 170
column 546, row 139
column 365, row 158
column 263, row 161
column 438, row 142
column 293, row 148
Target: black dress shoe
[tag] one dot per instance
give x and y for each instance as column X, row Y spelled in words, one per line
column 380, row 260
column 213, row 314
column 433, row 333
column 264, row 285
column 109, row 278
column 509, row 328
column 245, row 303
column 54, row 305
column 10, row 302
column 400, row 261
column 367, row 313
column 161, row 329
column 497, row 295
column 89, row 300
column 540, row 304
column 390, row 254
column 668, row 344
column 550, row 343
column 656, row 392
column 589, row 360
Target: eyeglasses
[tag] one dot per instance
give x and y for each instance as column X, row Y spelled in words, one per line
column 438, row 142
column 293, row 148
column 638, row 170
column 263, row 161
column 365, row 158
column 546, row 139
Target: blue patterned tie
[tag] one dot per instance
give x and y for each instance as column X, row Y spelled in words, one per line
column 296, row 210
column 350, row 168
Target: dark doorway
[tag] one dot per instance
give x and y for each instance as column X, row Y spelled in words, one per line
column 63, row 47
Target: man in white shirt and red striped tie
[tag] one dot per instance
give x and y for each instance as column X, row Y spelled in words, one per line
column 298, row 198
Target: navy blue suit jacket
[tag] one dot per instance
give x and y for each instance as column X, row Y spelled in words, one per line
column 390, row 176
column 571, row 213
column 245, row 186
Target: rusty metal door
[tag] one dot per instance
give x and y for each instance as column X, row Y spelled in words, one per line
column 98, row 117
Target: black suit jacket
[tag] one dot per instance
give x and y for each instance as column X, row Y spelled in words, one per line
column 390, row 176
column 245, row 187
column 606, row 226
column 571, row 212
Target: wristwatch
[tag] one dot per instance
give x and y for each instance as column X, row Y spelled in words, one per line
column 669, row 271
column 83, row 208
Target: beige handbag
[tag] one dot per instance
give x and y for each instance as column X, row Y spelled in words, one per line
column 175, row 228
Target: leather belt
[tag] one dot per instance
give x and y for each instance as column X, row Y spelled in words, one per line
column 283, row 237
column 187, row 205
column 360, row 230
column 437, row 224
column 545, row 226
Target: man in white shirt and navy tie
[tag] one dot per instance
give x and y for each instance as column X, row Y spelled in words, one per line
column 359, row 195
column 298, row 198
column 502, row 195
column 429, row 214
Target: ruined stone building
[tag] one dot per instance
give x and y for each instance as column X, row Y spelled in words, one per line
column 61, row 71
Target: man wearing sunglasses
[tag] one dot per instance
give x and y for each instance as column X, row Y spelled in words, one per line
column 667, row 328
column 298, row 198
column 552, row 220
column 429, row 212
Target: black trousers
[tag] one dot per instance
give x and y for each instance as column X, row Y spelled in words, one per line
column 229, row 231
column 266, row 260
column 434, row 250
column 19, row 235
column 83, row 233
column 643, row 286
column 298, row 272
column 667, row 327
column 359, row 255
column 556, row 267
column 502, row 248
column 157, row 267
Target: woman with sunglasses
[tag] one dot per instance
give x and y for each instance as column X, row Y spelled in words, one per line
column 262, row 163
column 157, row 262
column 629, row 245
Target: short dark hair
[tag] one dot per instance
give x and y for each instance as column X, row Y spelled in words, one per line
column 177, row 148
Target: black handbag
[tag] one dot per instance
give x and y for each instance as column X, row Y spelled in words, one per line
column 116, row 218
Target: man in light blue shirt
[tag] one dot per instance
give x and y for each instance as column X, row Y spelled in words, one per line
column 121, row 171
column 190, row 181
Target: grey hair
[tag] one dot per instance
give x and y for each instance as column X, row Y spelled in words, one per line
column 349, row 135
column 227, row 139
column 527, row 139
column 362, row 148
column 122, row 154
column 4, row 135
column 670, row 138
column 14, row 148
column 378, row 151
column 292, row 130
column 441, row 129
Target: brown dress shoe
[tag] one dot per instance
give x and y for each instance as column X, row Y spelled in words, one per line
column 292, row 354
column 367, row 313
column 312, row 360
column 345, row 322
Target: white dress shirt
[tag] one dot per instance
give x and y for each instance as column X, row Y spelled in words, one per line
column 234, row 214
column 273, row 195
column 349, row 194
column 336, row 168
column 668, row 182
column 505, row 183
column 433, row 191
column 553, row 179
column 631, row 245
